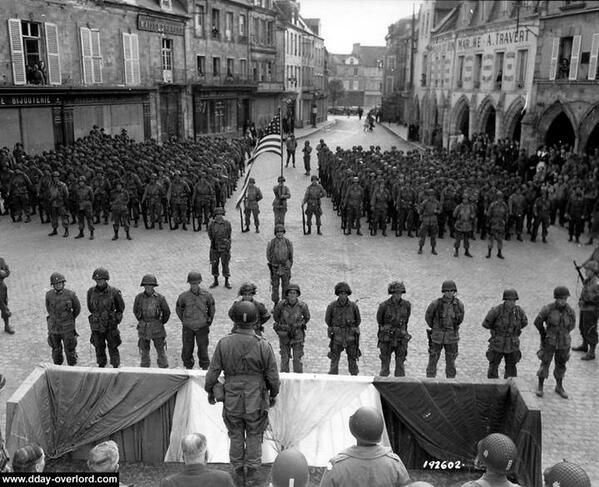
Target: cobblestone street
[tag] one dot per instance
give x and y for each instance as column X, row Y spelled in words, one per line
column 367, row 263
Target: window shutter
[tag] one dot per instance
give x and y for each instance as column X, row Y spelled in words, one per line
column 593, row 61
column 553, row 63
column 135, row 60
column 127, row 57
column 96, row 56
column 16, row 51
column 52, row 50
column 574, row 59
column 86, row 55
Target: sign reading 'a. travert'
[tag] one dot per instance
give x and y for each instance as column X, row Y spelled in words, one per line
column 493, row 39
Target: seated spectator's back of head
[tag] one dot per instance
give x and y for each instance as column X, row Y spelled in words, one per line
column 29, row 458
column 104, row 457
column 194, row 448
column 420, row 483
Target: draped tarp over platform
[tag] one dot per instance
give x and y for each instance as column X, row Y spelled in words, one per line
column 432, row 420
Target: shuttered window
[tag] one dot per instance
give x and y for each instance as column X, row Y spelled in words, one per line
column 131, row 58
column 554, row 54
column 16, row 51
column 91, row 56
column 52, row 51
column 574, row 59
column 593, row 60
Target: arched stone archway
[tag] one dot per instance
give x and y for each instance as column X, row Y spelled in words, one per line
column 589, row 130
column 460, row 118
column 486, row 117
column 512, row 120
column 558, row 124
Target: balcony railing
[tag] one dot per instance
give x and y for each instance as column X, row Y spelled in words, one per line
column 168, row 76
column 221, row 80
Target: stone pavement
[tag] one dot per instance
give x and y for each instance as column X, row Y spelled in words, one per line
column 368, row 263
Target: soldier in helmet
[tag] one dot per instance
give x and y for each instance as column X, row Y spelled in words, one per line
column 444, row 317
column 152, row 312
column 352, row 205
column 119, row 206
column 367, row 463
column 566, row 474
column 279, row 204
column 393, row 337
column 105, row 304
column 312, row 197
column 555, row 321
column 307, row 150
column 428, row 211
column 541, row 211
column 496, row 453
column 464, row 216
column 195, row 309
column 247, row 292
column 291, row 317
column 152, row 200
column 178, row 199
column 251, row 387
column 343, row 321
column 58, row 196
column 251, row 200
column 505, row 323
column 589, row 310
column 204, row 199
column 63, row 307
column 279, row 255
column 497, row 215
column 219, row 232
column 5, row 313
column 84, row 198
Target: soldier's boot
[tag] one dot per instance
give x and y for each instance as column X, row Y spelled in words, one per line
column 489, row 253
column 66, row 233
column 334, row 368
column 539, row 391
column 590, row 355
column 127, row 233
column 318, row 230
column 584, row 347
column 384, row 231
column 559, row 388
column 499, row 254
column 80, row 234
column 257, row 229
column 570, row 238
column 519, row 237
column 400, row 370
column 456, row 252
column 420, row 249
column 309, row 231
column 467, row 253
column 227, row 283
column 116, row 233
column 385, row 361
column 184, row 226
column 285, row 365
column 433, row 251
column 353, row 366
column 8, row 328
column 160, row 224
column 544, row 239
column 239, row 476
column 247, row 228
column 91, row 234
column 53, row 232
column 215, row 283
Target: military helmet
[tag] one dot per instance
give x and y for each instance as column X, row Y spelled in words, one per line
column 281, row 179
column 251, row 180
column 510, row 294
column 279, row 228
column 314, row 178
column 100, row 273
column 592, row 265
column 396, row 286
column 55, row 173
column 219, row 211
column 56, row 277
column 289, row 465
column 448, row 286
column 342, row 287
column 366, row 425
column 430, row 192
column 498, row 452
column 566, row 474
column 247, row 287
column 194, row 276
column 245, row 313
column 293, row 287
column 356, row 179
column 149, row 280
column 561, row 292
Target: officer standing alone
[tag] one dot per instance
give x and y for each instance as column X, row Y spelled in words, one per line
column 4, row 311
column 219, row 232
column 63, row 307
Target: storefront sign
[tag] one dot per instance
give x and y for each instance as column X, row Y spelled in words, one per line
column 27, row 100
column 154, row 24
column 494, row 39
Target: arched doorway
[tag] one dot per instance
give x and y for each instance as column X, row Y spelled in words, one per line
column 517, row 132
column 463, row 121
column 488, row 122
column 593, row 141
column 560, row 132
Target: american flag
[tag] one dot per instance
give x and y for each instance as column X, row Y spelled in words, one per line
column 270, row 142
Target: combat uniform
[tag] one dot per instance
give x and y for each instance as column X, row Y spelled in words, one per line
column 279, row 204
column 58, row 197
column 352, row 206
column 204, row 200
column 279, row 255
column 393, row 337
column 196, row 312
column 343, row 321
column 152, row 199
column 429, row 209
column 63, row 307
column 151, row 312
column 106, row 308
column 179, row 193
column 589, row 313
column 463, row 216
column 290, row 326
column 84, row 197
column 5, row 313
column 444, row 317
column 312, row 197
column 263, row 315
column 253, row 196
column 219, row 232
column 506, row 325
column 497, row 215
column 119, row 206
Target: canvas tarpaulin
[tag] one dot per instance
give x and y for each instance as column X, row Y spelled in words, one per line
column 440, row 420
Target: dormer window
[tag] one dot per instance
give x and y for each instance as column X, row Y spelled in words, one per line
column 166, row 4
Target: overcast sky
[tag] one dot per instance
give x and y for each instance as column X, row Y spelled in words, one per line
column 345, row 22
